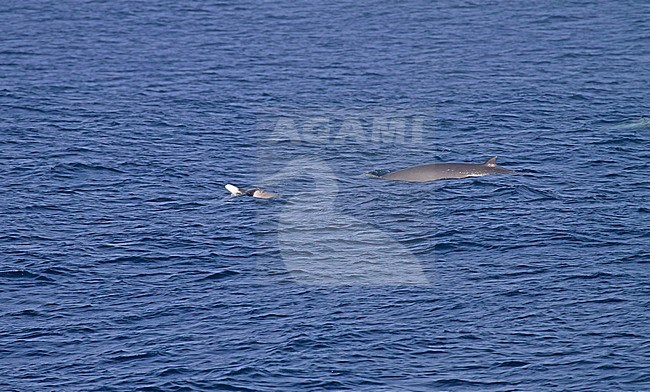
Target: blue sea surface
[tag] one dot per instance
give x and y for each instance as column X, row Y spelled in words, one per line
column 125, row 265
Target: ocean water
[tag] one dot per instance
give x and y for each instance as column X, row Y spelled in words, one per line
column 126, row 266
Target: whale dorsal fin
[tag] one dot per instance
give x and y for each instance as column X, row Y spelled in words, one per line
column 491, row 162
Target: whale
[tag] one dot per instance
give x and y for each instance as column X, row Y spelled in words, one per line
column 254, row 192
column 445, row 171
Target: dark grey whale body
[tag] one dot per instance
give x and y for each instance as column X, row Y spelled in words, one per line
column 443, row 171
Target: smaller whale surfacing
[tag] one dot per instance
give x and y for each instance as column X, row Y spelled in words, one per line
column 255, row 192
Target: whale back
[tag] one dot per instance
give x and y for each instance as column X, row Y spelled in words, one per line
column 442, row 171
